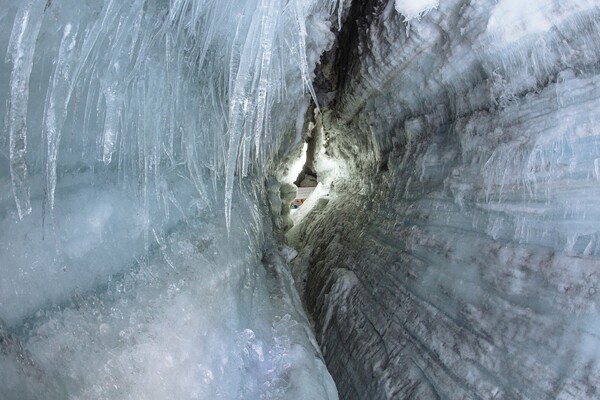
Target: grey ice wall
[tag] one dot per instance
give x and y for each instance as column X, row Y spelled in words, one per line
column 460, row 257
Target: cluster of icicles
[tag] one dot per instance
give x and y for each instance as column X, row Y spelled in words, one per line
column 143, row 86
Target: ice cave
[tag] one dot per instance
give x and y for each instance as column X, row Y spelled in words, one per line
column 299, row 199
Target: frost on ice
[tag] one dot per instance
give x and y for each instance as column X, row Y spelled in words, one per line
column 415, row 8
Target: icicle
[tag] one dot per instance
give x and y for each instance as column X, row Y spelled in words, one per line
column 56, row 107
column 111, row 122
column 238, row 113
column 163, row 250
column 110, row 13
column 194, row 171
column 302, row 34
column 20, row 51
column 129, row 72
column 267, row 45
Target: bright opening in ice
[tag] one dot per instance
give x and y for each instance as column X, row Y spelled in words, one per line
column 329, row 171
column 296, row 167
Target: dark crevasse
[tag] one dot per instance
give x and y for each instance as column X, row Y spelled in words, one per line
column 456, row 252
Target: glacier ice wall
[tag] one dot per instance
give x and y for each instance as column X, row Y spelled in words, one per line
column 459, row 257
column 136, row 260
column 453, row 252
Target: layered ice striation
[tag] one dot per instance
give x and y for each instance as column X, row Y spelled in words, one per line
column 136, row 260
column 460, row 257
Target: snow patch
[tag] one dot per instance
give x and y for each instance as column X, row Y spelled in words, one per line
column 512, row 20
column 412, row 9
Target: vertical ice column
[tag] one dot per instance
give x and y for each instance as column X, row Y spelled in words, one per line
column 57, row 103
column 20, row 51
column 300, row 14
column 268, row 21
column 111, row 122
column 244, row 110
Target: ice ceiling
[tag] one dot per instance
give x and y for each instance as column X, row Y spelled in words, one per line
column 451, row 249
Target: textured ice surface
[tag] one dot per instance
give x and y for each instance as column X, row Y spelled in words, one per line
column 96, row 231
column 459, row 258
column 135, row 262
column 216, row 325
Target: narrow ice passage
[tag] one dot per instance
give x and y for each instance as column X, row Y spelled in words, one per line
column 449, row 248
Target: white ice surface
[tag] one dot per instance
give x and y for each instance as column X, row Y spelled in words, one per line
column 415, row 8
column 512, row 20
